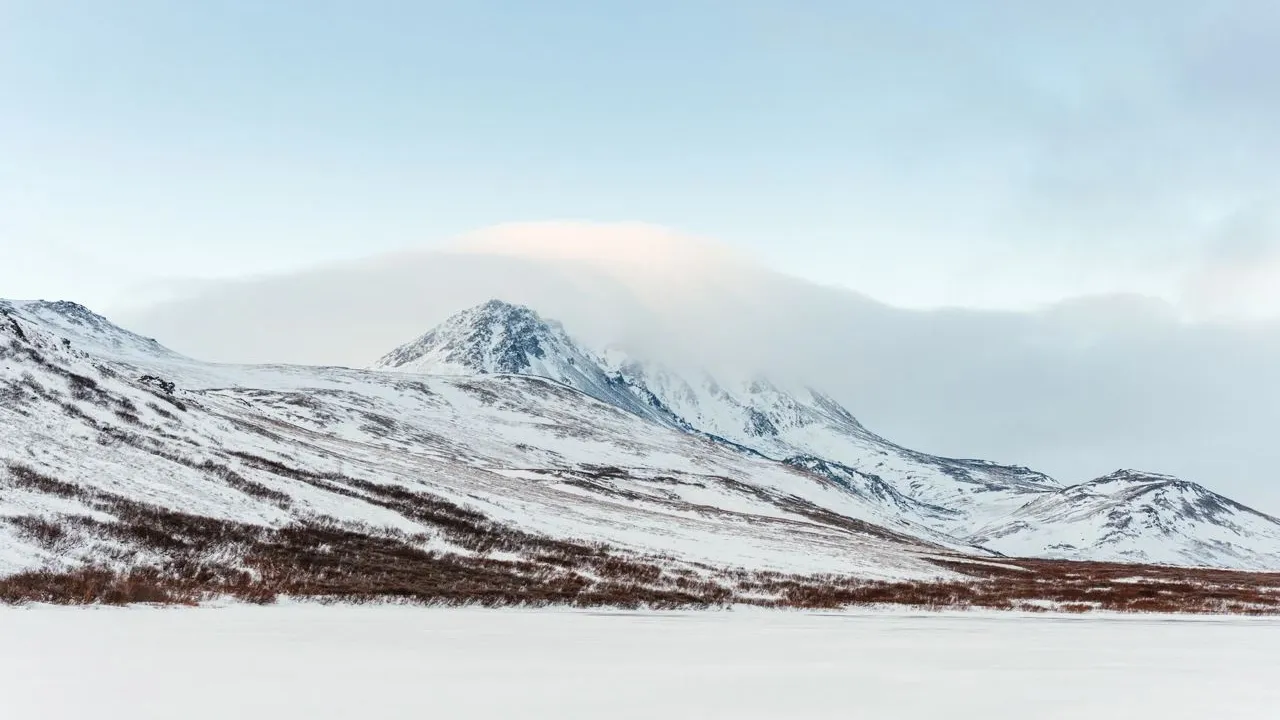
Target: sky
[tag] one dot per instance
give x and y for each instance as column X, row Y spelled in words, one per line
column 1038, row 233
column 984, row 154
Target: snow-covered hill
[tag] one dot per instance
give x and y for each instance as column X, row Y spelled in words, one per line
column 1132, row 516
column 1011, row 509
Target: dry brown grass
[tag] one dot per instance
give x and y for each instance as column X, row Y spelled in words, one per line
column 1030, row 584
column 88, row 586
column 26, row 478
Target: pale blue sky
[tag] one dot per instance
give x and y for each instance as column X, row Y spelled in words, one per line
column 990, row 153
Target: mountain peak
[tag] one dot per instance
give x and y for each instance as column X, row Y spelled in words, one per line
column 496, row 305
column 71, row 312
column 493, row 337
column 498, row 337
column 1135, row 477
column 77, row 323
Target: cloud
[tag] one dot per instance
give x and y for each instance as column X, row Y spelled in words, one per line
column 1239, row 274
column 1077, row 389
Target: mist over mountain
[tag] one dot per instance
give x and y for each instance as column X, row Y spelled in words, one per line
column 1075, row 389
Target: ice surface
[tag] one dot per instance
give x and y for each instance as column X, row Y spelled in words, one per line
column 304, row 661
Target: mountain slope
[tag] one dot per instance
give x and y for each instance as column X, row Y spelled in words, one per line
column 1013, row 510
column 797, row 423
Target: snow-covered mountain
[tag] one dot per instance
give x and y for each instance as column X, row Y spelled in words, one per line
column 1011, row 509
column 92, row 448
column 1132, row 516
column 499, row 417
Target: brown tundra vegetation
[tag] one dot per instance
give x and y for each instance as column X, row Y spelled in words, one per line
column 168, row 557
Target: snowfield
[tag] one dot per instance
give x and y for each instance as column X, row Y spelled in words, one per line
column 312, row 661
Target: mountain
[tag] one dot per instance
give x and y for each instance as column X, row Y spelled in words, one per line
column 1010, row 509
column 1131, row 516
column 497, row 450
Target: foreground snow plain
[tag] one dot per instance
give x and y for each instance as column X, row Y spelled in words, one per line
column 313, row 661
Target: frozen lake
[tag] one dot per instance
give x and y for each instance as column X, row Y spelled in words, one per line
column 303, row 661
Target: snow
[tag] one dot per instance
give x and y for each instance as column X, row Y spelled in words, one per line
column 316, row 662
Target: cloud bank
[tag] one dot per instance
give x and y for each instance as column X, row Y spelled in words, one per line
column 1077, row 389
